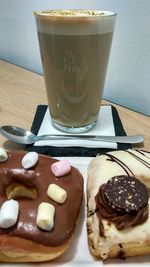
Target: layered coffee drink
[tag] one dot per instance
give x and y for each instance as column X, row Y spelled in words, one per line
column 75, row 47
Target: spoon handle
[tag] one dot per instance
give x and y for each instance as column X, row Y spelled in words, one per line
column 118, row 139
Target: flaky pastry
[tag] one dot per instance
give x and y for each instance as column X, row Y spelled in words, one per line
column 118, row 220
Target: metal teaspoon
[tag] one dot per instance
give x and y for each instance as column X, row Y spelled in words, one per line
column 23, row 136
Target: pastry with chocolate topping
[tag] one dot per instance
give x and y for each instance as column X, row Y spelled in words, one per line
column 118, row 220
column 38, row 211
column 123, row 200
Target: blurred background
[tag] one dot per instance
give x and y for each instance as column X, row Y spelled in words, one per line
column 128, row 75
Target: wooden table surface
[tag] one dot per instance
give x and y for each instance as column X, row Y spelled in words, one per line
column 22, row 90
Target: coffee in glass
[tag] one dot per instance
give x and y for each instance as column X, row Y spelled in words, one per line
column 75, row 47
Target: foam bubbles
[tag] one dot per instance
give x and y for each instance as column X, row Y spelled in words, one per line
column 75, row 22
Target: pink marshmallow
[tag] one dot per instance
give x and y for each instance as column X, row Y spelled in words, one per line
column 61, row 167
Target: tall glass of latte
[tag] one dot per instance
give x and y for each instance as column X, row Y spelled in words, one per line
column 75, row 47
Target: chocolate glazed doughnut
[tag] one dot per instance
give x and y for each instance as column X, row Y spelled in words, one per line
column 25, row 241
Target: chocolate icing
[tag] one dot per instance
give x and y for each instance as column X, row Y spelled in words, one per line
column 125, row 215
column 40, row 177
column 126, row 193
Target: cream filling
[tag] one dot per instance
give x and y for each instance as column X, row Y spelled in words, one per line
column 139, row 233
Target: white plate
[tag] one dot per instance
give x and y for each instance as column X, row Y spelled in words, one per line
column 78, row 254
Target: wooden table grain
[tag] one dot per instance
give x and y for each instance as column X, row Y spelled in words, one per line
column 22, row 90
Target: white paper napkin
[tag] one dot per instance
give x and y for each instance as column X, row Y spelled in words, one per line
column 104, row 126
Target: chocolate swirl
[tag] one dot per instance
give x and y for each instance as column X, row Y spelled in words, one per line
column 123, row 200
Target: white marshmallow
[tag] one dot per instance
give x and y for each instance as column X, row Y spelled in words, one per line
column 45, row 216
column 9, row 213
column 56, row 193
column 3, row 155
column 29, row 160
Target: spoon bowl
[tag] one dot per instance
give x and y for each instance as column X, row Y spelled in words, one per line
column 17, row 134
column 23, row 136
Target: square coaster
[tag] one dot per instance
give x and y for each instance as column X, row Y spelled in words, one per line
column 104, row 126
column 109, row 124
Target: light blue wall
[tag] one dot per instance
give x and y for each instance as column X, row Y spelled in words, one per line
column 128, row 76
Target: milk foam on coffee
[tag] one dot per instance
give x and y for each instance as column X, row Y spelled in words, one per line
column 75, row 47
column 83, row 21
